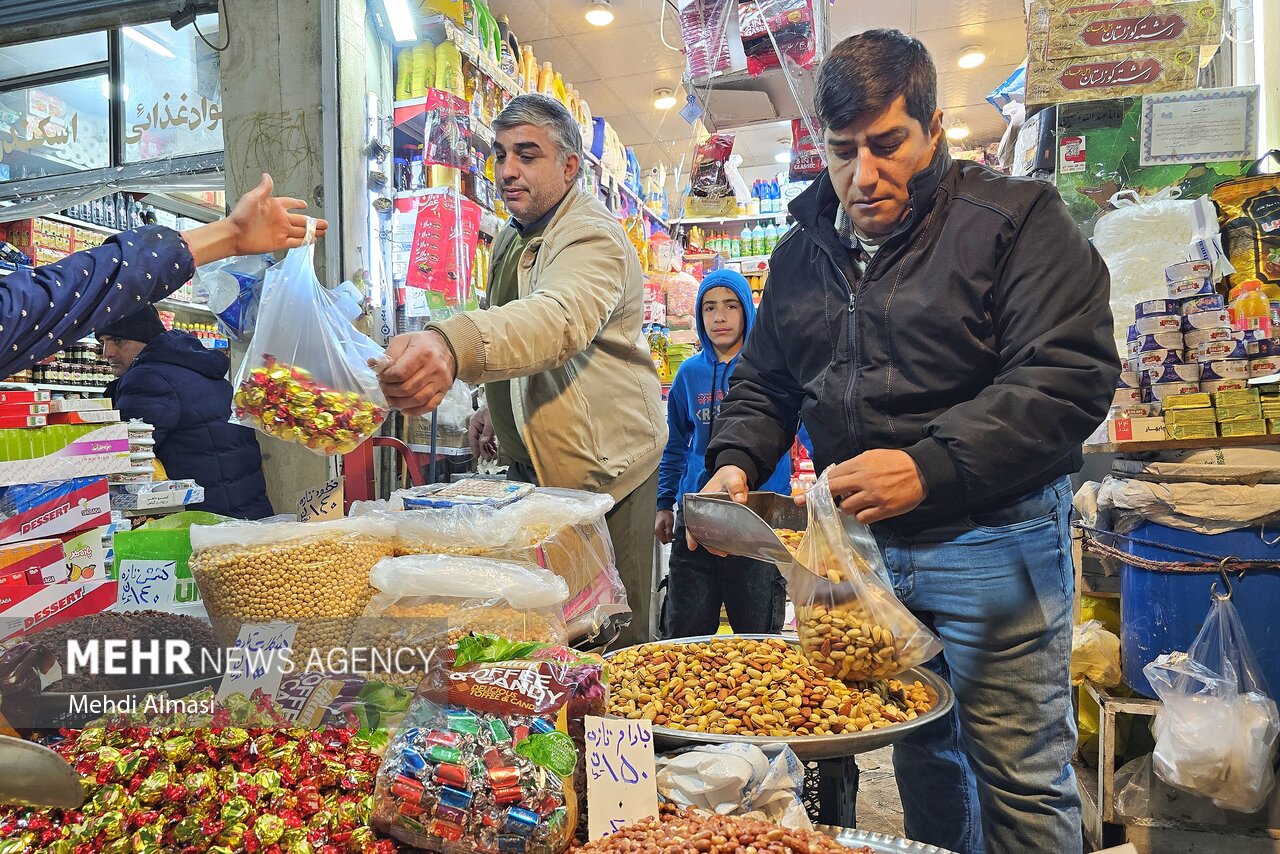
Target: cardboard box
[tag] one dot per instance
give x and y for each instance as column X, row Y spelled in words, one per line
column 87, row 404
column 23, row 396
column 39, row 561
column 63, row 452
column 86, row 555
column 24, row 610
column 40, row 510
column 88, row 416
column 1191, row 431
column 1105, row 32
column 14, row 579
column 22, row 422
column 13, row 410
column 1086, row 78
column 1135, row 429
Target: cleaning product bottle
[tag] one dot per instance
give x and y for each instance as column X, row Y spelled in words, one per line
column 753, row 204
column 776, row 192
column 424, row 69
column 558, row 91
column 528, row 69
column 404, row 74
column 735, row 246
column 510, row 62
column 1251, row 309
column 772, row 234
column 546, row 79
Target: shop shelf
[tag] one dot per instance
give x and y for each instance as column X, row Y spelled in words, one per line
column 1182, row 444
column 79, row 223
column 82, row 389
column 724, row 220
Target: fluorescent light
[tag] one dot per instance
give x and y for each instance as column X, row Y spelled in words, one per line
column 782, row 157
column 971, row 57
column 600, row 14
column 664, row 99
column 958, row 131
column 148, row 42
column 400, row 19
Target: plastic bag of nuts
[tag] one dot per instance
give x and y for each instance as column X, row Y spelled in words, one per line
column 427, row 602
column 315, row 574
column 851, row 625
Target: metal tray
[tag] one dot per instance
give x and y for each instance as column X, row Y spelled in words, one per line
column 878, row 842
column 810, row 747
column 744, row 529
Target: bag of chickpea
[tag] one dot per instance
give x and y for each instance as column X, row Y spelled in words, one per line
column 315, row 574
column 851, row 625
column 426, row 602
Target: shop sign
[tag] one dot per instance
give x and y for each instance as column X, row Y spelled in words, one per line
column 1125, row 30
column 1087, row 79
column 181, row 113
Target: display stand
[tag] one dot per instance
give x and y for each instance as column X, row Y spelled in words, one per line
column 831, row 791
column 1098, row 802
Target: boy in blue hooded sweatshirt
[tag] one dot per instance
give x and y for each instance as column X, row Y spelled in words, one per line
column 752, row 592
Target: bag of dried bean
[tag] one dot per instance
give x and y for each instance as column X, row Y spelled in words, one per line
column 851, row 625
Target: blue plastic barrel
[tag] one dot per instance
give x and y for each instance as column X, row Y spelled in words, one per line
column 1162, row 612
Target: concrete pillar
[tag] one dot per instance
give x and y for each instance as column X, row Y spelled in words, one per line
column 272, row 93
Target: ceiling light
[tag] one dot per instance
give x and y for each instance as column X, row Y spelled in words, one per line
column 958, row 131
column 782, row 157
column 664, row 99
column 600, row 14
column 400, row 20
column 148, row 42
column 971, row 57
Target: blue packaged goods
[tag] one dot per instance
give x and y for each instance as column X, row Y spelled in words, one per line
column 1225, row 369
column 1153, row 307
column 1219, row 351
column 1187, row 288
column 1195, row 305
column 1155, row 324
column 1163, row 341
column 1145, row 361
column 1205, row 320
column 1171, row 374
column 1197, row 337
column 1188, row 270
column 1158, row 392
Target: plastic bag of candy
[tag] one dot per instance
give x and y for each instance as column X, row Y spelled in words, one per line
column 770, row 26
column 710, row 180
column 306, row 377
column 488, row 756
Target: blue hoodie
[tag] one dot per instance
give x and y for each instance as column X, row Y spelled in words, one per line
column 690, row 412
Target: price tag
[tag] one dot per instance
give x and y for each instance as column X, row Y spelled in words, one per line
column 318, row 505
column 161, row 498
column 258, row 659
column 146, row 584
column 622, row 784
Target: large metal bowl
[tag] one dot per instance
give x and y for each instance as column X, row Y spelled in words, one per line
column 880, row 843
column 810, row 747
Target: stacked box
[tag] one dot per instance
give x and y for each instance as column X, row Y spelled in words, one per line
column 43, row 240
column 1190, row 416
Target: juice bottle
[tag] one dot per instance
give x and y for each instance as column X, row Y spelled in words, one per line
column 1251, row 309
column 546, row 79
column 404, row 74
column 424, row 69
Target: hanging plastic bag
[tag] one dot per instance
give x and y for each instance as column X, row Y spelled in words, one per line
column 1216, row 730
column 710, row 178
column 233, row 287
column 306, row 377
column 768, row 27
column 1095, row 655
column 851, row 625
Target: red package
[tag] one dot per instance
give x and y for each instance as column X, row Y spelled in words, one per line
column 791, row 25
column 709, row 179
column 444, row 248
column 807, row 161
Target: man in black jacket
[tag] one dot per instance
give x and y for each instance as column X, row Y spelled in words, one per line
column 956, row 349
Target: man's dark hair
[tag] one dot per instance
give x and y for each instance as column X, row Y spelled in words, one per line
column 866, row 72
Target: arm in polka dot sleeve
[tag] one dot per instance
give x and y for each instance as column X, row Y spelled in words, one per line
column 47, row 310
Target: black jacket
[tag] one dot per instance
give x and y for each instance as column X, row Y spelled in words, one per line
column 979, row 341
column 180, row 387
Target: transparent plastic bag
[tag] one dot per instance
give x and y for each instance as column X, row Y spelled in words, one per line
column 427, row 602
column 234, row 287
column 1216, row 730
column 1095, row 655
column 770, row 26
column 851, row 625
column 306, row 376
column 315, row 574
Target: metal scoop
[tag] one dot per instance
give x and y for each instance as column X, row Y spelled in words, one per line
column 746, row 530
column 35, row 776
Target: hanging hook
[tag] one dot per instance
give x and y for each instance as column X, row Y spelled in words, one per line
column 1226, row 581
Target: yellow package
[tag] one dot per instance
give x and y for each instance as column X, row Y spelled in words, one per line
column 1191, row 431
column 1190, row 416
column 451, row 9
column 1247, row 210
column 1256, row 427
column 1186, row 401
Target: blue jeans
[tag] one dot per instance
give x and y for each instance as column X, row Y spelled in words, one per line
column 994, row 776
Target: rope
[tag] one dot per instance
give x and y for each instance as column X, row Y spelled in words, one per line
column 1211, row 563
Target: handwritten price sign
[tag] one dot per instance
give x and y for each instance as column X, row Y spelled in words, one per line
column 146, row 584
column 317, row 505
column 621, row 779
column 258, row 659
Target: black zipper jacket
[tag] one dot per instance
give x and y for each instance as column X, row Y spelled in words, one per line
column 979, row 341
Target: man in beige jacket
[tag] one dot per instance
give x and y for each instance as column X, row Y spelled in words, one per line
column 574, row 400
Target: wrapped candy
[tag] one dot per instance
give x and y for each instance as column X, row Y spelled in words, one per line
column 306, row 376
column 480, row 764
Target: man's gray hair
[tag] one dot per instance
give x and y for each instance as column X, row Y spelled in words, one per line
column 546, row 112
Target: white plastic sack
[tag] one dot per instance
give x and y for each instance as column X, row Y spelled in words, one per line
column 1239, row 466
column 1216, row 730
column 1138, row 240
column 1206, row 508
column 1095, row 655
column 737, row 779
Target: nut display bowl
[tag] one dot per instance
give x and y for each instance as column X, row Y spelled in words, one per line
column 808, row 747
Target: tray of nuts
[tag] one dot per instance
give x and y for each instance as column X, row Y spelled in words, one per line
column 760, row 689
column 768, row 527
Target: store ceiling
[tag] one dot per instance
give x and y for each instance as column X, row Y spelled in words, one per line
column 618, row 67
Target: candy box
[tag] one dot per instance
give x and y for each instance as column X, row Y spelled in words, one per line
column 1171, row 374
column 1225, row 369
column 86, row 555
column 20, row 422
column 15, row 396
column 1188, row 270
column 62, row 452
column 1215, row 386
column 1199, row 336
column 1149, row 359
column 1220, row 351
column 1205, row 320
column 37, row 561
column 1168, row 340
column 87, row 404
column 1195, row 305
column 1158, row 392
column 1135, row 429
column 87, row 416
column 35, row 510
column 13, row 410
column 24, row 610
column 1190, row 288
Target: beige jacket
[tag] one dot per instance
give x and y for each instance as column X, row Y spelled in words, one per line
column 584, row 390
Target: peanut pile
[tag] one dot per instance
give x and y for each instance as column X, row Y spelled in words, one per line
column 737, row 686
column 791, row 539
column 845, row 644
column 689, row 830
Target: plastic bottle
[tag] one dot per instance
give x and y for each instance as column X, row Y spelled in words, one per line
column 772, row 234
column 424, row 69
column 449, row 69
column 735, row 246
column 510, row 47
column 753, row 204
column 404, row 74
column 558, row 91
column 528, row 69
column 546, row 79
column 1251, row 309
